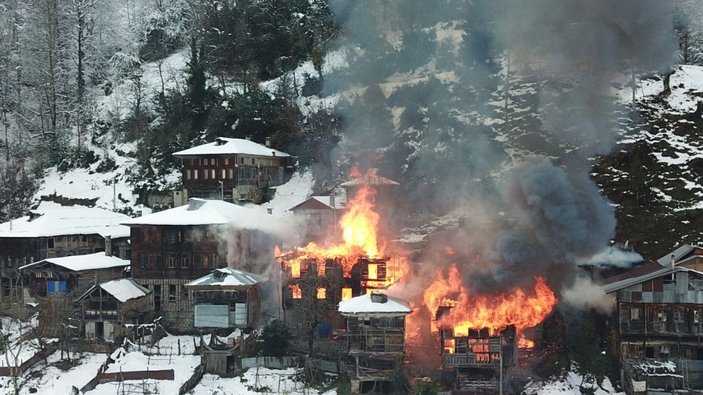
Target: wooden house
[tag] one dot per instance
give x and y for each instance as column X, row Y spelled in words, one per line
column 53, row 231
column 109, row 307
column 320, row 215
column 70, row 275
column 659, row 315
column 477, row 358
column 375, row 336
column 231, row 169
column 174, row 247
column 226, row 298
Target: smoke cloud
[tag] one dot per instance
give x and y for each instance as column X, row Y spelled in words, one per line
column 493, row 110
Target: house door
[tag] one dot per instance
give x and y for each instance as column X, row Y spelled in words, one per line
column 99, row 331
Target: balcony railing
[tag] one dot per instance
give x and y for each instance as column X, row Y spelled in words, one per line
column 468, row 360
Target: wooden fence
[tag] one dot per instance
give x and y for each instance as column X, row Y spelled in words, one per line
column 193, row 380
column 24, row 366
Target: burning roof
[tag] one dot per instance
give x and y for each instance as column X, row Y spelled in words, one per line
column 371, row 177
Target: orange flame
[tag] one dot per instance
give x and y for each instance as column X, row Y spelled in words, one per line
column 466, row 311
column 359, row 238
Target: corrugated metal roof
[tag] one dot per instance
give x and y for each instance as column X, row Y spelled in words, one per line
column 227, row 277
column 51, row 219
column 370, row 178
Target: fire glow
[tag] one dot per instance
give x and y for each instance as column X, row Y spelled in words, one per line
column 520, row 308
column 359, row 238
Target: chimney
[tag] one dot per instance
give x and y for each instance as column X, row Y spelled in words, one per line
column 108, row 246
column 377, row 297
column 673, row 265
column 268, row 141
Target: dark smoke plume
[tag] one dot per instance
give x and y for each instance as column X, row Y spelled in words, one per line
column 492, row 110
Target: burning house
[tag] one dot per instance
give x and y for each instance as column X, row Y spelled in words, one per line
column 321, row 276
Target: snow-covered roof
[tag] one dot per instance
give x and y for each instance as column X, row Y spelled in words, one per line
column 370, row 178
column 651, row 271
column 122, row 289
column 51, row 219
column 79, row 263
column 201, row 212
column 227, row 277
column 367, row 304
column 324, row 200
column 231, row 146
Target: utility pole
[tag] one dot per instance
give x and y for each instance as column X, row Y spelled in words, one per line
column 500, row 367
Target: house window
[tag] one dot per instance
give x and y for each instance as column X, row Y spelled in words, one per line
column 224, row 174
column 321, row 266
column 56, row 286
column 213, row 161
column 184, row 261
column 50, row 242
column 226, row 161
column 241, row 161
column 696, row 316
column 171, row 261
column 172, row 292
column 373, row 271
column 296, row 292
column 188, row 174
column 253, row 161
column 205, row 174
column 346, row 293
column 678, row 315
column 195, row 174
column 184, row 292
column 212, row 173
column 206, row 261
column 635, row 313
column 231, row 173
column 321, row 293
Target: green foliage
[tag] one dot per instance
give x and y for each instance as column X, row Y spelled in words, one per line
column 264, row 38
column 274, row 339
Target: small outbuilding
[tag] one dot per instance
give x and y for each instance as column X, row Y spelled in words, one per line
column 226, row 298
column 109, row 307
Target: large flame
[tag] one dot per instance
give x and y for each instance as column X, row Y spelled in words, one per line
column 524, row 309
column 359, row 238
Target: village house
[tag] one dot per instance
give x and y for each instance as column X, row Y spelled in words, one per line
column 659, row 315
column 320, row 215
column 231, row 169
column 375, row 336
column 173, row 247
column 70, row 275
column 110, row 307
column 226, row 299
column 51, row 231
column 478, row 358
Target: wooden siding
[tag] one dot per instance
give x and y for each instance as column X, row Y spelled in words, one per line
column 176, row 252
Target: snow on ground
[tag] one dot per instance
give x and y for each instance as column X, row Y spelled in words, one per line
column 183, row 366
column 110, row 189
column 267, row 381
column 569, row 383
column 53, row 380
